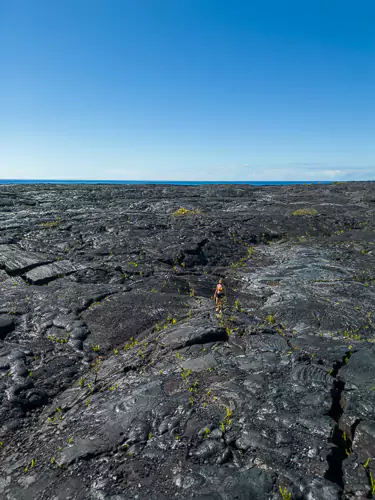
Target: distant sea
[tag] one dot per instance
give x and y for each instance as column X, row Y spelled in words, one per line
column 182, row 183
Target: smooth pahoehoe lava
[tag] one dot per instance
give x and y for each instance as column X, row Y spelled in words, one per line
column 119, row 380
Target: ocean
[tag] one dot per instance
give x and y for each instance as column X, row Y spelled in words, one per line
column 182, row 183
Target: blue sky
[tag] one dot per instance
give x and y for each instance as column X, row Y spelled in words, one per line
column 187, row 89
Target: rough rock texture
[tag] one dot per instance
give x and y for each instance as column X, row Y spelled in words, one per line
column 119, row 381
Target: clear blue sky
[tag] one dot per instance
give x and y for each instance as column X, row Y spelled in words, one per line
column 187, row 89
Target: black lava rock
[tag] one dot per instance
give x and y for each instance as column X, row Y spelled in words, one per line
column 6, row 326
column 120, row 380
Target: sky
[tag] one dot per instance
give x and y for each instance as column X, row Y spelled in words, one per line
column 187, row 89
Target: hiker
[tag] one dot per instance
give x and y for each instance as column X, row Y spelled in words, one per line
column 219, row 294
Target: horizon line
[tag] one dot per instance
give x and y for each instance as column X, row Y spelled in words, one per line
column 169, row 180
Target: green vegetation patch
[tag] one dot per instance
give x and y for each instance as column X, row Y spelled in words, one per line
column 51, row 223
column 305, row 211
column 184, row 211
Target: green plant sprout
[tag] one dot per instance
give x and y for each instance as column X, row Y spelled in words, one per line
column 372, row 481
column 270, row 319
column 184, row 211
column 284, row 494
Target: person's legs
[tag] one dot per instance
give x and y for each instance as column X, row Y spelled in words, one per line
column 218, row 304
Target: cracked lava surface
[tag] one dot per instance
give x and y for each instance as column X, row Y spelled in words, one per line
column 118, row 380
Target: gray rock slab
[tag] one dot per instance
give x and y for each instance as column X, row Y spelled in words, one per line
column 13, row 258
column 48, row 272
column 200, row 364
column 195, row 333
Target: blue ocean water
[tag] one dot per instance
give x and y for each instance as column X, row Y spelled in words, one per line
column 182, row 183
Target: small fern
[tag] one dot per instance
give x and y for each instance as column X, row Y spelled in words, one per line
column 284, row 494
column 372, row 484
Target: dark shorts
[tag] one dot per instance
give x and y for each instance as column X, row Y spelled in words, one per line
column 219, row 295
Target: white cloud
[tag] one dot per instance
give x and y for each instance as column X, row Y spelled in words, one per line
column 331, row 173
column 7, row 172
column 50, row 165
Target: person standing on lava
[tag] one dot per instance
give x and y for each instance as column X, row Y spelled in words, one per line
column 219, row 294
